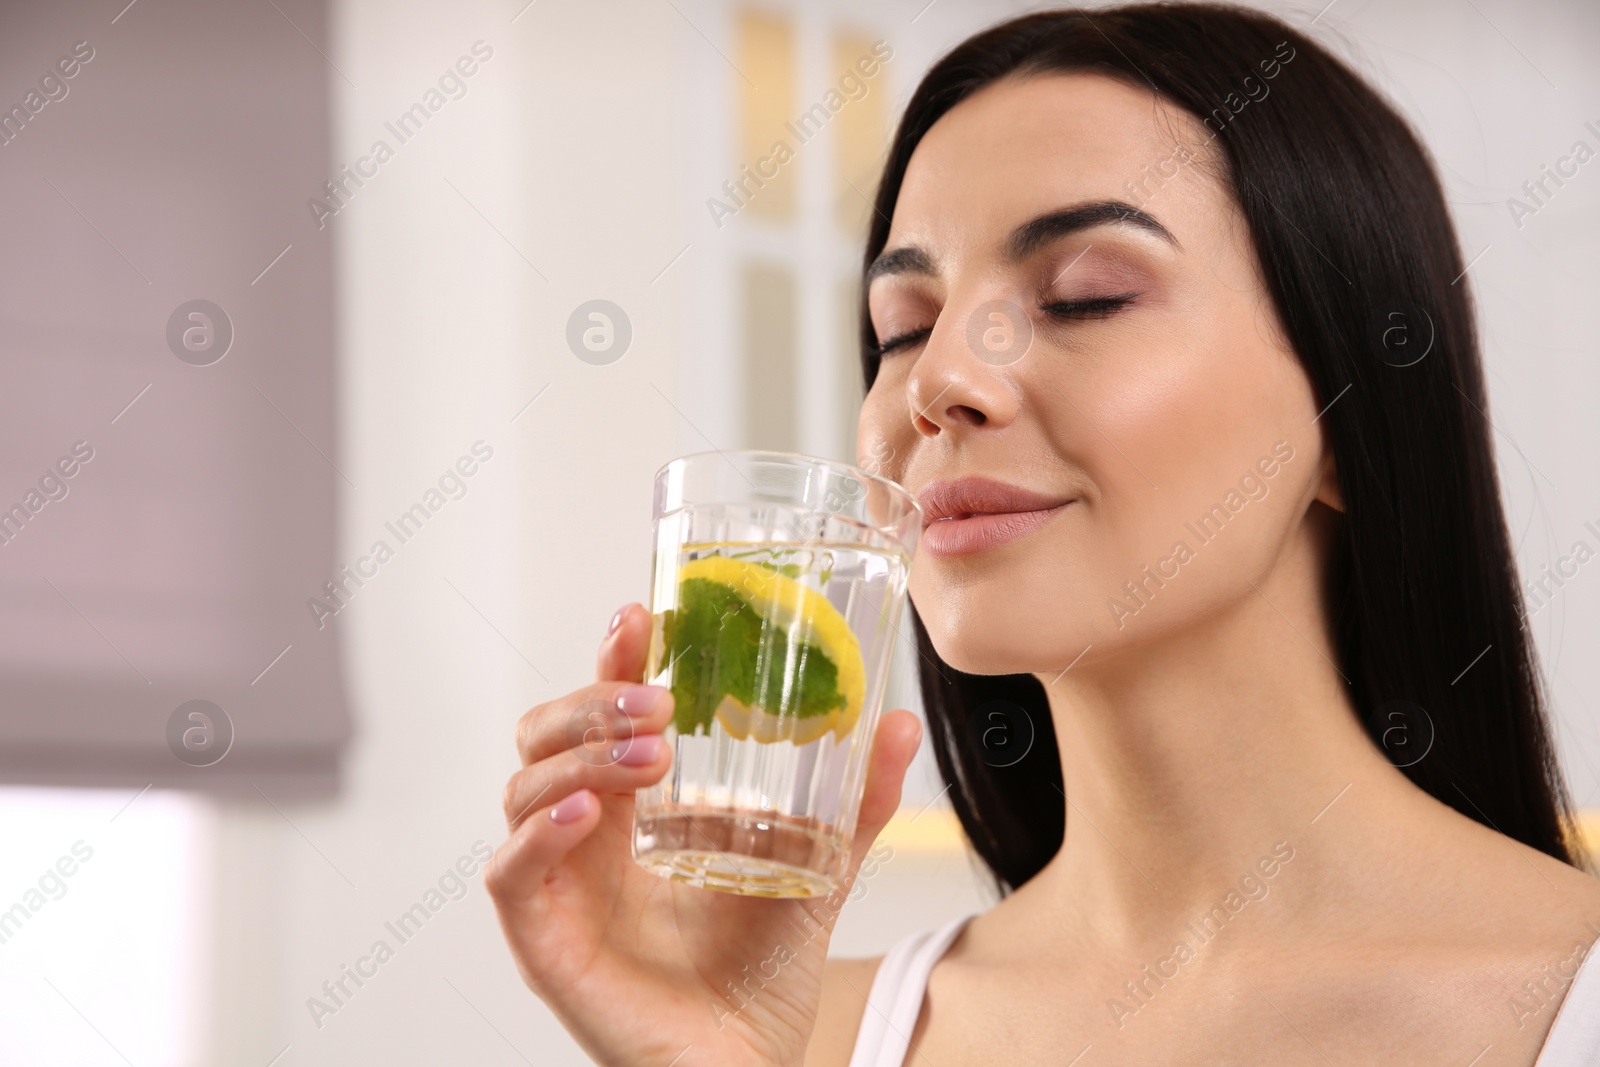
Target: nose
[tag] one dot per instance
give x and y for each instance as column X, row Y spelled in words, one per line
column 951, row 388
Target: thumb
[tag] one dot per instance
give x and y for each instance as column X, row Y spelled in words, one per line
column 896, row 742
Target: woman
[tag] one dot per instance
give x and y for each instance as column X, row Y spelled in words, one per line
column 1166, row 326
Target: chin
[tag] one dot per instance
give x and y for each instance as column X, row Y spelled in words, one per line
column 1025, row 617
column 985, row 662
column 996, row 641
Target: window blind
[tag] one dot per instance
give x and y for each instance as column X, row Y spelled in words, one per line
column 169, row 447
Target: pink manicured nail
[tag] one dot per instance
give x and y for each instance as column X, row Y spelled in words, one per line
column 616, row 620
column 571, row 809
column 638, row 751
column 637, row 701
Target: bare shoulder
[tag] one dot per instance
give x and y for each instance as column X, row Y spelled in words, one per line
column 1535, row 918
column 1574, row 903
column 1579, row 885
column 845, row 985
column 1491, row 936
column 1512, row 901
column 1566, row 896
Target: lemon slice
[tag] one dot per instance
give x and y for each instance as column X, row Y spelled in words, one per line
column 743, row 722
column 809, row 624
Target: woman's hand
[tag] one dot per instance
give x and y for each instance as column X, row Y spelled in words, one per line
column 641, row 970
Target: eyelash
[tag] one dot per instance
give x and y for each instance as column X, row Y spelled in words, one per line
column 895, row 343
column 1095, row 308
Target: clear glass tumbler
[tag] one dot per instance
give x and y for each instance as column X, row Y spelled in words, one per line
column 777, row 589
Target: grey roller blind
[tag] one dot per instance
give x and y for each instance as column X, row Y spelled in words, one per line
column 168, row 485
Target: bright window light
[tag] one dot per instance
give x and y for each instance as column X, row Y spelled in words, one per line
column 104, row 927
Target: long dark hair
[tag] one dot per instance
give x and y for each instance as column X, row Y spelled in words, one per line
column 1350, row 226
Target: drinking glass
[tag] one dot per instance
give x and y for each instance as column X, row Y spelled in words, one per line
column 776, row 593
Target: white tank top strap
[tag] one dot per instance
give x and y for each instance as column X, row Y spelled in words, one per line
column 1574, row 1037
column 896, row 997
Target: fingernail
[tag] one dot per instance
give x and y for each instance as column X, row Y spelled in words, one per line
column 616, row 620
column 571, row 809
column 637, row 751
column 637, row 701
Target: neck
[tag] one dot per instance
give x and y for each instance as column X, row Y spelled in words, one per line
column 1190, row 759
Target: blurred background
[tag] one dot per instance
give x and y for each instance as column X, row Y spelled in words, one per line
column 288, row 280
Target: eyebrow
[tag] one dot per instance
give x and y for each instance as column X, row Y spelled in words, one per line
column 908, row 260
column 1031, row 236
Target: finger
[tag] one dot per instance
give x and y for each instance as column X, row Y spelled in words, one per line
column 517, row 869
column 632, row 763
column 593, row 717
column 622, row 653
column 893, row 747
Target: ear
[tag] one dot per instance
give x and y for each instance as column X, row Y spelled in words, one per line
column 1328, row 483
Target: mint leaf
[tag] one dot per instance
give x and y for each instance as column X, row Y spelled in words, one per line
column 720, row 645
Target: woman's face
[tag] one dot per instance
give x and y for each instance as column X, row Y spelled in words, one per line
column 1126, row 370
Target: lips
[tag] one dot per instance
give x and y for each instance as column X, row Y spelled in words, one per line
column 973, row 514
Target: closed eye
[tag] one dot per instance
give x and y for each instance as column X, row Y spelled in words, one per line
column 904, row 340
column 1091, row 308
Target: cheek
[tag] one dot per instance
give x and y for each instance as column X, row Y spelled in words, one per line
column 884, row 433
column 1165, row 427
column 1144, row 419
column 1176, row 414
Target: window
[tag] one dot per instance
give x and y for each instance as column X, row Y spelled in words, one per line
column 104, row 927
column 809, row 100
